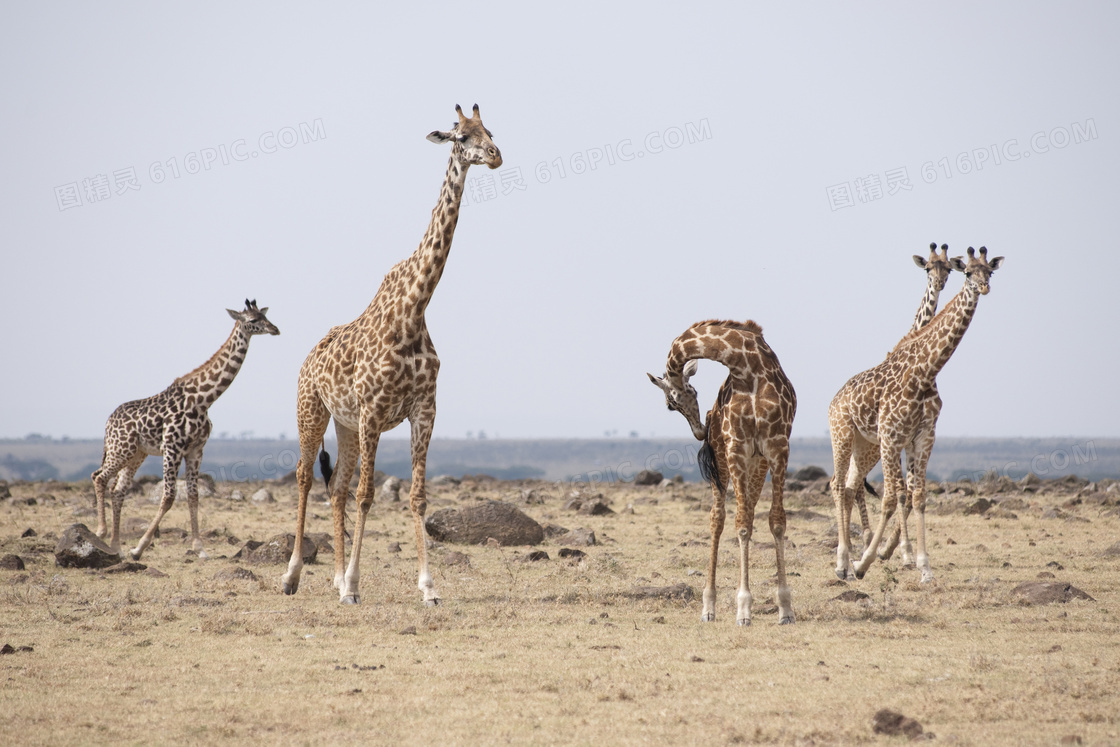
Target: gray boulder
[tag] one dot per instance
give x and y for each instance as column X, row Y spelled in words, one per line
column 279, row 549
column 474, row 525
column 78, row 547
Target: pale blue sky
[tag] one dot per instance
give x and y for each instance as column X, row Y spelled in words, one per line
column 558, row 297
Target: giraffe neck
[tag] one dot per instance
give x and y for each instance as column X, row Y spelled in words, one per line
column 214, row 376
column 425, row 267
column 714, row 341
column 928, row 308
column 942, row 336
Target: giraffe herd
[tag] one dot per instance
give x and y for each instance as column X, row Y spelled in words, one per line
column 373, row 373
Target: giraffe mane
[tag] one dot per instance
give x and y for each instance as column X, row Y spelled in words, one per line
column 747, row 326
column 188, row 376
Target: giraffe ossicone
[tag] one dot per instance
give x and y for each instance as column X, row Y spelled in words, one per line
column 892, row 408
column 373, row 373
column 745, row 435
column 175, row 424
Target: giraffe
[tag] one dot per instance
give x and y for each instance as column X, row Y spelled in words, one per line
column 937, row 267
column 894, row 407
column 371, row 374
column 173, row 423
column 746, row 434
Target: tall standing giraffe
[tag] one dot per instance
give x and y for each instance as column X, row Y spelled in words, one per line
column 937, row 267
column 371, row 374
column 746, row 434
column 887, row 409
column 176, row 424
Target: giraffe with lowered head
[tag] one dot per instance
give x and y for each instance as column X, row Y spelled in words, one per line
column 373, row 373
column 746, row 434
column 894, row 407
column 176, row 424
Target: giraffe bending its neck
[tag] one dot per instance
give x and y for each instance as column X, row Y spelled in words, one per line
column 173, row 423
column 746, row 434
column 938, row 267
column 371, row 374
column 887, row 409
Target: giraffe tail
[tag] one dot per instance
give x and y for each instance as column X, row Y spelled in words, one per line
column 709, row 466
column 868, row 488
column 325, row 467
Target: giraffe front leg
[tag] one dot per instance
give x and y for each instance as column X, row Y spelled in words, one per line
column 746, row 497
column 304, row 475
column 369, row 435
column 918, row 488
column 193, row 462
column 418, row 497
column 892, row 485
column 716, row 519
column 171, row 459
column 778, row 530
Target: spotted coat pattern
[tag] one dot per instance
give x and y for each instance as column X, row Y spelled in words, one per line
column 747, row 431
column 373, row 373
column 893, row 407
column 175, row 424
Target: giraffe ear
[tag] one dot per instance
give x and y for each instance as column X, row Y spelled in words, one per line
column 690, row 369
column 920, row 261
column 440, row 137
column 657, row 382
column 996, row 262
column 958, row 263
column 263, row 311
column 235, row 314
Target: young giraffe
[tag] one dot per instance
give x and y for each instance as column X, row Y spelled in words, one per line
column 746, row 434
column 893, row 407
column 938, row 267
column 379, row 369
column 173, row 423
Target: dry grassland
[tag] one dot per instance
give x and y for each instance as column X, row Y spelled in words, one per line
column 556, row 651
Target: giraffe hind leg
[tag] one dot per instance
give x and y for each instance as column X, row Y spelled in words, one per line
column 422, row 423
column 172, row 458
column 312, row 418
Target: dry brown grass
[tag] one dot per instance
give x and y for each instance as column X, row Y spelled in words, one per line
column 555, row 652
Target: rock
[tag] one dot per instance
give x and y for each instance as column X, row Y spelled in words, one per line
column 12, row 563
column 895, row 724
column 648, row 477
column 246, row 548
column 322, row 541
column 205, row 490
column 410, row 630
column 29, row 532
column 457, row 558
column 999, row 512
column 134, row 527
column 531, row 497
column 237, row 573
column 126, row 566
column 573, row 504
column 279, row 549
column 4, row 492
column 154, row 573
column 1048, row 592
column 473, row 525
column 809, row 473
column 1112, row 550
column 535, row 556
column 581, row 536
column 393, row 547
column 1030, row 480
column 680, row 591
column 390, row 490
column 851, row 595
column 553, row 530
column 264, row 495
column 572, row 554
column 78, row 547
column 236, row 495
column 595, row 507
column 978, row 508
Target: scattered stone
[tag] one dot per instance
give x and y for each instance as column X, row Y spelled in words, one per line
column 126, row 566
column 246, row 548
column 264, row 495
column 1055, row 565
column 851, row 595
column 475, row 524
column 553, row 530
column 581, row 536
column 12, row 563
column 648, row 477
column 78, row 547
column 4, row 492
column 659, row 620
column 595, row 507
column 680, row 591
column 1045, row 574
column 978, row 508
column 457, row 558
column 236, row 573
column 535, row 555
column 393, row 547
column 390, row 490
column 154, row 573
column 571, row 553
column 322, row 541
column 445, row 481
column 1014, row 504
column 531, row 496
column 1112, row 550
column 1049, row 592
column 279, row 549
column 1070, row 739
column 236, row 495
column 999, row 512
column 410, row 630
column 205, row 490
column 8, row 648
column 895, row 724
column 29, row 532
column 809, row 473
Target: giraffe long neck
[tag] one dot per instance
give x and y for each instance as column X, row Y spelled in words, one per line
column 714, row 342
column 928, row 308
column 425, row 267
column 214, row 376
column 942, row 336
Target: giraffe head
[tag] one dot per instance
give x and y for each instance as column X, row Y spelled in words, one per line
column 938, row 266
column 253, row 320
column 978, row 270
column 473, row 142
column 683, row 398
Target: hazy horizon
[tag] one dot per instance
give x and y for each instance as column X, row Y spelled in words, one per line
column 663, row 165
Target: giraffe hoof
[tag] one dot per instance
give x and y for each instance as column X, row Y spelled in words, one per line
column 290, row 589
column 842, row 575
column 350, row 599
column 860, row 574
column 708, row 617
column 927, row 577
column 134, row 555
column 432, row 602
column 743, row 622
column 786, row 620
